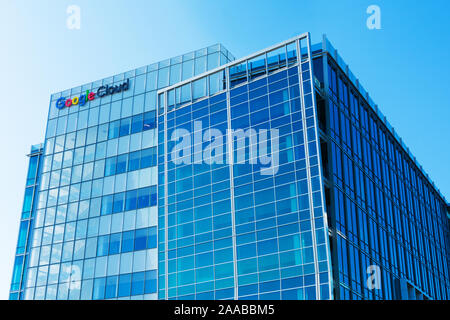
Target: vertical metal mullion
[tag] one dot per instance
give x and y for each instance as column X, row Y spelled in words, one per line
column 314, row 105
column 308, row 167
column 166, row 206
column 319, row 158
column 333, row 273
column 231, row 161
column 267, row 64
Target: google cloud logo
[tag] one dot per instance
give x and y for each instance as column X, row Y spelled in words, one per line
column 89, row 96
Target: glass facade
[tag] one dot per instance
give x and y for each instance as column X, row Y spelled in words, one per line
column 229, row 231
column 26, row 220
column 384, row 211
column 109, row 212
column 94, row 218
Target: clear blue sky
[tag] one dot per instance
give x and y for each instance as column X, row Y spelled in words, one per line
column 404, row 66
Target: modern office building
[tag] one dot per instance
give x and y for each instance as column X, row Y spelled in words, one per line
column 273, row 176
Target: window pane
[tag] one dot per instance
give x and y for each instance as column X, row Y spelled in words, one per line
column 188, row 69
column 150, row 281
column 134, row 161
column 140, row 241
column 124, row 285
column 175, row 73
column 114, row 243
column 238, row 74
column 136, row 123
column 148, row 158
column 257, row 66
column 137, row 286
column 143, row 197
column 114, row 129
column 128, row 241
column 131, row 200
column 99, row 288
column 122, row 162
column 111, row 287
column 185, row 93
column 124, row 127
column 216, row 82
column 149, row 120
column 110, row 166
column 163, row 78
column 276, row 59
column 199, row 89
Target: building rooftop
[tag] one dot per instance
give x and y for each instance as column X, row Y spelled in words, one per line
column 218, row 47
column 324, row 47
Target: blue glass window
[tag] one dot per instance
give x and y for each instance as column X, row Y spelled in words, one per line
column 102, row 245
column 18, row 264
column 110, row 166
column 267, row 247
column 122, row 162
column 238, row 74
column 140, row 241
column 134, row 161
column 149, row 120
column 131, row 200
column 150, row 281
column 124, row 285
column 111, row 287
column 125, row 127
column 23, row 231
column 128, row 241
column 279, row 96
column 99, row 288
column 153, row 196
column 137, row 284
column 137, row 123
column 118, row 202
column 151, row 238
column 107, row 205
column 114, row 129
column 28, row 199
column 143, row 197
column 148, row 157
column 114, row 243
column 246, row 251
column 32, row 170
